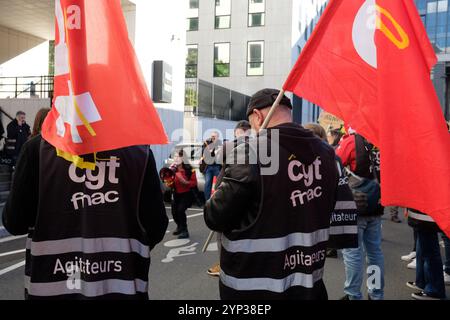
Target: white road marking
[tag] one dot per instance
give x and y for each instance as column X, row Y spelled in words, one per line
column 213, row 247
column 12, row 238
column 11, row 268
column 191, row 216
column 11, row 253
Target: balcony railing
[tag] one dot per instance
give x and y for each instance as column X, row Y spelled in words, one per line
column 26, row 87
column 206, row 99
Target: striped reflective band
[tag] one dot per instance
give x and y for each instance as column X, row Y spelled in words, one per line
column 270, row 284
column 87, row 289
column 88, row 246
column 276, row 244
column 337, row 230
column 421, row 217
column 345, row 205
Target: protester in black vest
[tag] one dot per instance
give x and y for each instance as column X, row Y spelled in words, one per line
column 18, row 132
column 274, row 211
column 343, row 224
column 89, row 232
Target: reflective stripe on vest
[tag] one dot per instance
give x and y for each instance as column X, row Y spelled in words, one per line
column 345, row 205
column 87, row 289
column 338, row 230
column 420, row 217
column 98, row 245
column 276, row 244
column 273, row 285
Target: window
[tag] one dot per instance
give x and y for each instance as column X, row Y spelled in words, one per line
column 191, row 61
column 192, row 24
column 221, row 59
column 437, row 6
column 192, row 18
column 193, row 4
column 223, row 14
column 255, row 58
column 256, row 13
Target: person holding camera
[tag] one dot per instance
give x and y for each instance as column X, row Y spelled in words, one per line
column 210, row 165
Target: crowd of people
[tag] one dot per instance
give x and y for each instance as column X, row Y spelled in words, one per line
column 274, row 231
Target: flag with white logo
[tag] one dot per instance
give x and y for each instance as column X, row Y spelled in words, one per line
column 101, row 101
column 368, row 62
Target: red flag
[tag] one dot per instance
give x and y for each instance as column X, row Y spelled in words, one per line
column 101, row 101
column 368, row 63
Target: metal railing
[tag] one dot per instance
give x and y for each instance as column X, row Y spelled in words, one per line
column 206, row 99
column 27, row 87
column 3, row 112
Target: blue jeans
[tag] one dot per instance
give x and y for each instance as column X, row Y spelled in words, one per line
column 211, row 172
column 369, row 239
column 447, row 253
column 429, row 275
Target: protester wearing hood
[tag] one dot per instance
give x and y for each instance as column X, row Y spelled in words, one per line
column 275, row 212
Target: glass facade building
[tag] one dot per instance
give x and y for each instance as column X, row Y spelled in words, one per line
column 435, row 15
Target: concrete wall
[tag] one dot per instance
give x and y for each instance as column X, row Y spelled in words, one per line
column 29, row 106
column 200, row 128
column 13, row 43
column 163, row 37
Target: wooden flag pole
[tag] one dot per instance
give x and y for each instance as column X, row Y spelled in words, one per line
column 264, row 126
column 273, row 109
column 208, row 241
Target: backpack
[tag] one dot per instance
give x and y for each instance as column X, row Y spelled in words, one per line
column 367, row 194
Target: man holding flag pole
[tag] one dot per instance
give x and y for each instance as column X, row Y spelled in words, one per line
column 357, row 66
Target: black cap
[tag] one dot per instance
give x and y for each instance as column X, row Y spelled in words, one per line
column 265, row 98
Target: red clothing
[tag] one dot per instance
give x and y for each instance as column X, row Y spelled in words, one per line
column 182, row 184
column 347, row 151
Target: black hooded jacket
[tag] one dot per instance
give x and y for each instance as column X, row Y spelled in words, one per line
column 236, row 203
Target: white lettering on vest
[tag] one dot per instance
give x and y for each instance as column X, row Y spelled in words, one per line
column 292, row 261
column 93, row 200
column 307, row 173
column 305, row 196
column 297, row 172
column 95, row 181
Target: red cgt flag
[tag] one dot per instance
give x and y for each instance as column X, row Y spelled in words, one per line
column 101, row 101
column 368, row 63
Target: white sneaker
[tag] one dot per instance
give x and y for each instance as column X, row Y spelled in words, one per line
column 412, row 264
column 409, row 257
column 447, row 279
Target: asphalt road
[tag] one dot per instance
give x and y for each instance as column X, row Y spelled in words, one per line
column 178, row 270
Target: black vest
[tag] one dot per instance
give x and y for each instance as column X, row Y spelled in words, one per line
column 344, row 219
column 88, row 242
column 282, row 254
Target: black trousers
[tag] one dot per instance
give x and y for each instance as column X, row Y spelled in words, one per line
column 181, row 202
